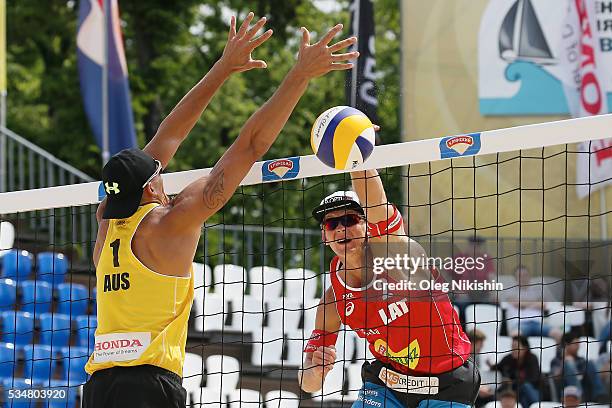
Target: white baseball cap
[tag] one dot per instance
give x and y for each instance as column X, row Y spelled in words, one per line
column 337, row 201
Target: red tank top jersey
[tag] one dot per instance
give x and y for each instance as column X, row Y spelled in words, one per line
column 415, row 337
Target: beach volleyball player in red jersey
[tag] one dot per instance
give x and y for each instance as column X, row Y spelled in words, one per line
column 421, row 352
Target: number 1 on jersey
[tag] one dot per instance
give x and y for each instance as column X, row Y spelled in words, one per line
column 115, row 245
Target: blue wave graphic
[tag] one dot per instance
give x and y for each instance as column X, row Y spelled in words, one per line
column 540, row 93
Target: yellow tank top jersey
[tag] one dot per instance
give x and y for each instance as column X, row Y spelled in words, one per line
column 142, row 315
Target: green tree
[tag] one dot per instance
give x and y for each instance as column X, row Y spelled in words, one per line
column 169, row 47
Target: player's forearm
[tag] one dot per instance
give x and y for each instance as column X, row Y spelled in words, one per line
column 369, row 187
column 186, row 113
column 264, row 126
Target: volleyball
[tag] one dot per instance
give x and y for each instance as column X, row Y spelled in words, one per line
column 342, row 137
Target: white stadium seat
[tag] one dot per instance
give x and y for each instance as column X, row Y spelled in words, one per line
column 301, row 284
column 589, row 348
column 213, row 315
column 354, row 380
column 310, row 314
column 497, row 404
column 265, row 282
column 230, row 281
column 211, row 398
column 284, row 314
column 202, row 276
column 244, row 398
column 546, row 404
column 222, row 373
column 247, row 314
column 545, row 349
column 488, row 319
column 267, row 347
column 281, row 399
column 192, row 375
column 564, row 317
column 7, row 237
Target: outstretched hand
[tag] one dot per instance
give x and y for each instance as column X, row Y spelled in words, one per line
column 318, row 59
column 241, row 43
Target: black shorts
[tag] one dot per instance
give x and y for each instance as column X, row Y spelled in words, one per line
column 460, row 385
column 143, row 386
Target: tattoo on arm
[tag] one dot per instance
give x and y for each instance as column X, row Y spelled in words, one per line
column 213, row 192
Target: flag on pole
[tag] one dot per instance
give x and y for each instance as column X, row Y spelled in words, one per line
column 2, row 46
column 92, row 62
column 361, row 91
column 587, row 44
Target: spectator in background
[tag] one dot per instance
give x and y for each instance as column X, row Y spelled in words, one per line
column 572, row 397
column 522, row 369
column 507, row 399
column 481, row 269
column 486, row 393
column 524, row 308
column 576, row 371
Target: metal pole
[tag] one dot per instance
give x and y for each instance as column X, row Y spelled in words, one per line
column 3, row 143
column 3, row 169
column 603, row 208
column 105, row 144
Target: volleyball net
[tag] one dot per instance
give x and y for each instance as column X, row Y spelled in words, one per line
column 505, row 195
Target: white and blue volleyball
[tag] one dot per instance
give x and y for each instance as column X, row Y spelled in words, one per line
column 342, row 137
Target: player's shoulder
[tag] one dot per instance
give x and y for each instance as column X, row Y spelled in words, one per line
column 153, row 223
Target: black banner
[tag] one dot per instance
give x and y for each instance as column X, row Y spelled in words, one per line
column 361, row 90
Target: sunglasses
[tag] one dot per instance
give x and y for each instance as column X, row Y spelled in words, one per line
column 157, row 171
column 347, row 220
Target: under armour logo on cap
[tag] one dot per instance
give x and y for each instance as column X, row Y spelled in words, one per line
column 112, row 189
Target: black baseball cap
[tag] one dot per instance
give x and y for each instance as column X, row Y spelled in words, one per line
column 124, row 178
column 339, row 200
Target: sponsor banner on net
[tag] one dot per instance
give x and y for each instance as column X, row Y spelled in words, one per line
column 120, row 346
column 280, row 169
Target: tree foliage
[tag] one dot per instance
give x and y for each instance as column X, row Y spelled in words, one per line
column 169, row 47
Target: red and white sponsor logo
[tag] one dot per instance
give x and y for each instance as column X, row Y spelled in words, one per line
column 280, row 167
column 117, row 344
column 460, row 143
column 591, row 102
column 120, row 346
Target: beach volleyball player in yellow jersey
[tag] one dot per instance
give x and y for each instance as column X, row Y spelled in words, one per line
column 146, row 242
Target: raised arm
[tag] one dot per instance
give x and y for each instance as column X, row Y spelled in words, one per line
column 236, row 58
column 380, row 214
column 205, row 196
column 319, row 359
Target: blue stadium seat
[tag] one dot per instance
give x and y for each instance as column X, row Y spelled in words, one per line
column 55, row 330
column 20, row 383
column 17, row 328
column 36, row 296
column 17, row 264
column 51, row 267
column 73, row 299
column 39, row 364
column 95, row 301
column 86, row 329
column 8, row 294
column 8, row 358
column 74, row 360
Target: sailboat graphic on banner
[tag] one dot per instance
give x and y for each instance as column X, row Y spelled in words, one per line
column 521, row 36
